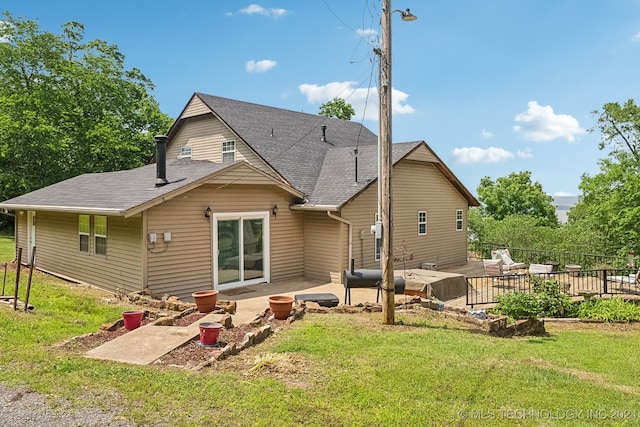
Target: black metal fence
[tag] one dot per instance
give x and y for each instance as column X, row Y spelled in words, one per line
column 484, row 290
column 560, row 259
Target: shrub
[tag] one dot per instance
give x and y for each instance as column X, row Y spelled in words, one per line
column 609, row 310
column 546, row 300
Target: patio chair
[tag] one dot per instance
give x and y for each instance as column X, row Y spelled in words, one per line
column 508, row 263
column 492, row 267
column 632, row 279
column 540, row 269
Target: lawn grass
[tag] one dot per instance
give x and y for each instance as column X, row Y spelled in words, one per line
column 345, row 370
column 7, row 250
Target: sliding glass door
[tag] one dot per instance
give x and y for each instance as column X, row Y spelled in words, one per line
column 240, row 249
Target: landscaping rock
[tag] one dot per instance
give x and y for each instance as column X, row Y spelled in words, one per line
column 314, row 307
column 164, row 321
column 112, row 326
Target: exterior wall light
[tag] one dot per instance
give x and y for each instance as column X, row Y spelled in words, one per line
column 207, row 213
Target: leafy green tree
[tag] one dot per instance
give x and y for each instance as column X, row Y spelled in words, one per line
column 619, row 126
column 516, row 195
column 68, row 106
column 337, row 107
column 610, row 203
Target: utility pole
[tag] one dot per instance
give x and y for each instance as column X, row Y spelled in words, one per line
column 386, row 166
column 385, row 160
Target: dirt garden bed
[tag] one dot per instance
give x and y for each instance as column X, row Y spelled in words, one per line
column 190, row 354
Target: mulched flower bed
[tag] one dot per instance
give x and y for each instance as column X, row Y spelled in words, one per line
column 188, row 355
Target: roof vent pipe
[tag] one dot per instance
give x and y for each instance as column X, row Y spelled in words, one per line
column 161, row 160
column 324, row 133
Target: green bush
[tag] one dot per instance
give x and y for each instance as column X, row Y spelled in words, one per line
column 546, row 300
column 609, row 310
column 518, row 305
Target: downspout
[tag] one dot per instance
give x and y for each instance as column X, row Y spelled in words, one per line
column 344, row 221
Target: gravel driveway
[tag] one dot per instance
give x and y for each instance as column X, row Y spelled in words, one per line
column 22, row 408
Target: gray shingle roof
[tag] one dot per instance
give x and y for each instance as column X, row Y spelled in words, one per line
column 289, row 141
column 115, row 192
column 336, row 184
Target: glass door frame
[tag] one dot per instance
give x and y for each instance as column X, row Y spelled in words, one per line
column 266, row 260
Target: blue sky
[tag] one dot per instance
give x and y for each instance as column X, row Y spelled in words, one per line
column 493, row 86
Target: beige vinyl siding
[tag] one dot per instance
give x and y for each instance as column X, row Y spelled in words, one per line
column 417, row 186
column 361, row 212
column 323, row 246
column 185, row 265
column 421, row 187
column 195, row 108
column 422, row 155
column 57, row 252
column 205, row 135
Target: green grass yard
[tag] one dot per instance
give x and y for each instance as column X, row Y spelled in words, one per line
column 335, row 370
column 6, row 249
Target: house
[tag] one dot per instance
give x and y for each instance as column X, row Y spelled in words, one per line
column 239, row 194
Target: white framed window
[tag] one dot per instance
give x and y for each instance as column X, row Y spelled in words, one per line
column 100, row 234
column 185, row 152
column 459, row 220
column 422, row 223
column 378, row 241
column 84, row 230
column 228, row 151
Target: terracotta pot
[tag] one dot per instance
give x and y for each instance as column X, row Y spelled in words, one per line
column 132, row 319
column 205, row 300
column 209, row 332
column 280, row 306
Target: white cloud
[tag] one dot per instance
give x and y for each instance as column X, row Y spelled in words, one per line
column 486, row 134
column 636, row 37
column 256, row 9
column 368, row 34
column 260, row 66
column 481, row 155
column 525, row 154
column 540, row 123
column 563, row 194
column 359, row 98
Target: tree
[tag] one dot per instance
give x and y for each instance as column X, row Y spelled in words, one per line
column 68, row 106
column 610, row 203
column 620, row 126
column 337, row 107
column 516, row 195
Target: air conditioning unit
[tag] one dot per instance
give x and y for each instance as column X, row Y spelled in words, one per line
column 429, row 266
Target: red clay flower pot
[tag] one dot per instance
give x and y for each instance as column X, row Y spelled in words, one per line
column 209, row 332
column 280, row 306
column 205, row 300
column 132, row 319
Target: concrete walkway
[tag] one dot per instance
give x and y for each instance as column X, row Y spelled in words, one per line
column 149, row 342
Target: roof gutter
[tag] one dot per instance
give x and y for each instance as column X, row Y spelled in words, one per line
column 344, row 221
column 66, row 209
column 310, row 207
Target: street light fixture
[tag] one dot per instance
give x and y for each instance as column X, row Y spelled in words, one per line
column 385, row 165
